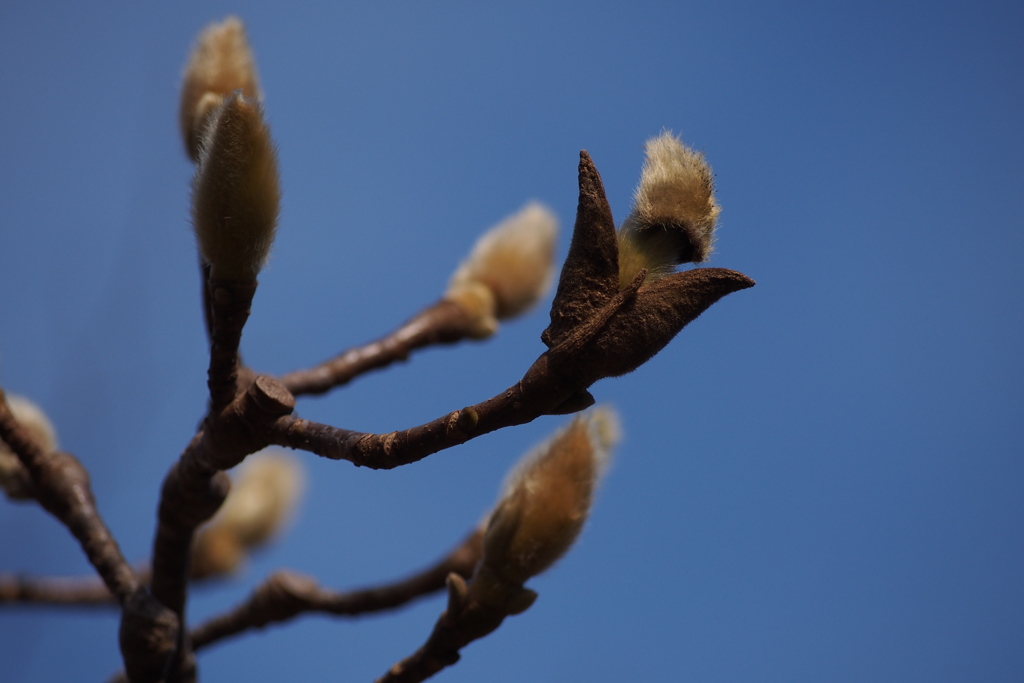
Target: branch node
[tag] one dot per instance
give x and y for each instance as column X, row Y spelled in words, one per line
column 271, row 397
column 468, row 420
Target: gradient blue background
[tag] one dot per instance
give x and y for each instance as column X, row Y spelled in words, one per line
column 821, row 479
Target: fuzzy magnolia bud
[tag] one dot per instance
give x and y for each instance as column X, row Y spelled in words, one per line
column 220, row 63
column 14, row 478
column 235, row 193
column 674, row 212
column 512, row 263
column 262, row 498
column 545, row 502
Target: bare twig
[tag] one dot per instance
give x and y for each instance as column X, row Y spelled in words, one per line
column 229, row 303
column 61, row 486
column 285, row 595
column 596, row 331
column 78, row 591
column 69, row 591
column 540, row 392
column 441, row 323
column 196, row 485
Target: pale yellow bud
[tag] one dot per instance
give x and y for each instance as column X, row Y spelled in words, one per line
column 674, row 211
column 547, row 499
column 14, row 478
column 514, row 260
column 235, row 192
column 263, row 497
column 221, row 62
column 32, row 418
column 477, row 301
column 217, row 552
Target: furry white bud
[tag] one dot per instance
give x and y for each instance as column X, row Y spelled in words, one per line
column 674, row 211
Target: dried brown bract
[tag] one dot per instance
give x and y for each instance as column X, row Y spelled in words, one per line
column 599, row 329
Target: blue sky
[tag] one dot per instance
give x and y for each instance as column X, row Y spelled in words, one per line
column 821, row 478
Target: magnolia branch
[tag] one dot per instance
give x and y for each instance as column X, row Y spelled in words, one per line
column 444, row 322
column 74, row 591
column 286, row 595
column 61, row 485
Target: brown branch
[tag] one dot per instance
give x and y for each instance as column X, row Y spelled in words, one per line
column 286, row 595
column 595, row 337
column 196, row 485
column 61, row 485
column 228, row 310
column 441, row 323
column 69, row 591
column 78, row 591
column 608, row 343
column 542, row 391
column 596, row 331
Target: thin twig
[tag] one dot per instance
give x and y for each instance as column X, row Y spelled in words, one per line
column 61, row 486
column 77, row 591
column 285, row 595
column 71, row 591
column 441, row 323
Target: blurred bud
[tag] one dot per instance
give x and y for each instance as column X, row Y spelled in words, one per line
column 262, row 498
column 544, row 504
column 477, row 301
column 220, row 63
column 217, row 552
column 235, row 193
column 33, row 419
column 674, row 212
column 14, row 478
column 513, row 260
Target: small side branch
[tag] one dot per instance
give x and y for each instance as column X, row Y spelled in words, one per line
column 61, row 485
column 540, row 392
column 226, row 308
column 83, row 591
column 286, row 595
column 441, row 323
